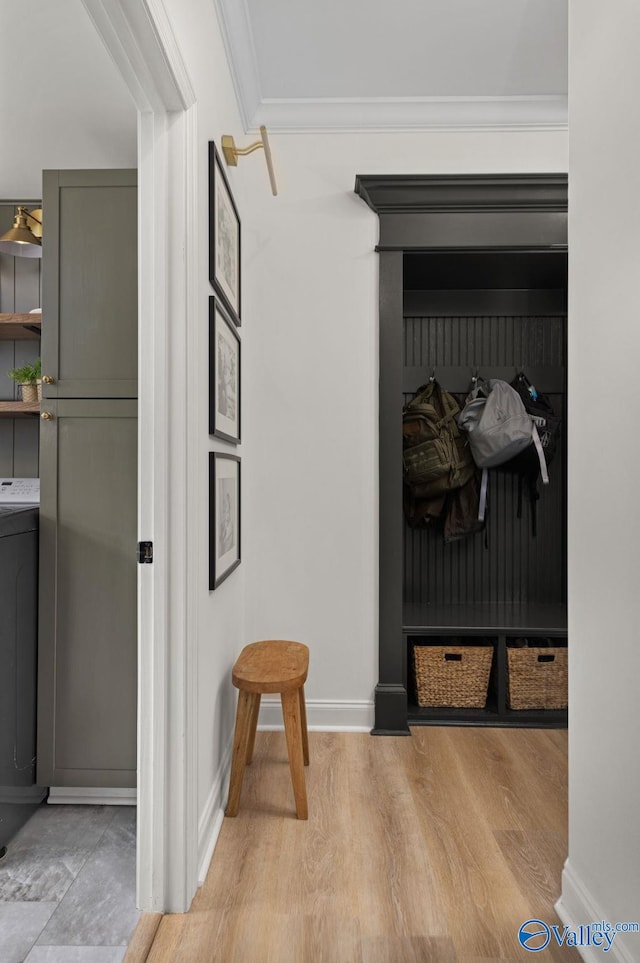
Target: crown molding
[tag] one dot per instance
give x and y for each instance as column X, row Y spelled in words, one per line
column 237, row 37
column 411, row 114
column 354, row 114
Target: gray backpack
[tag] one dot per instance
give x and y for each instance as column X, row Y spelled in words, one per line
column 499, row 428
column 495, row 419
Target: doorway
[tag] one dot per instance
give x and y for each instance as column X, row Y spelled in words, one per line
column 442, row 237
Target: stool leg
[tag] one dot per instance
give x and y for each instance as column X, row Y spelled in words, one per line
column 240, row 746
column 293, row 732
column 253, row 725
column 303, row 720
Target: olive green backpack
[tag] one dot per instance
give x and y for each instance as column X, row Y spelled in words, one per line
column 437, row 458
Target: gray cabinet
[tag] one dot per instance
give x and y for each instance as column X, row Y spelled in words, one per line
column 89, row 284
column 88, row 479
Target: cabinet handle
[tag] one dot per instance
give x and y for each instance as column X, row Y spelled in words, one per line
column 48, row 380
column 46, row 416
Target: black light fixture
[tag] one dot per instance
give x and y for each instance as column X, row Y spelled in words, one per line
column 24, row 239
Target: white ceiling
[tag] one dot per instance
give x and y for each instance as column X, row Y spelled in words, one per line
column 353, row 64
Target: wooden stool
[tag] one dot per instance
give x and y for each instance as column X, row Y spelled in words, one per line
column 272, row 666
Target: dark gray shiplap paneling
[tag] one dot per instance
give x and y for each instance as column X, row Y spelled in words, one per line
column 20, row 281
column 19, row 437
column 7, row 361
column 489, row 340
column 6, row 448
column 26, row 462
column 515, row 567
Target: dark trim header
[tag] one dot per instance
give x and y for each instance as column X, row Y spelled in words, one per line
column 416, row 193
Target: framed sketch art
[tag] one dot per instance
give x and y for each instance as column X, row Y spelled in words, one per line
column 224, row 374
column 224, row 516
column 224, row 237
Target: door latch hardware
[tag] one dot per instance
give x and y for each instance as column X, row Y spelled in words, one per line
column 145, row 553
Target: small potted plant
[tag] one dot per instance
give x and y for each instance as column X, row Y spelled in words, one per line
column 29, row 377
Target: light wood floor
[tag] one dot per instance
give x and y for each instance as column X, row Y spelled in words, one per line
column 430, row 848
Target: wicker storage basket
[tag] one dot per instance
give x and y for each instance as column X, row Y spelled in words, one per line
column 537, row 678
column 452, row 675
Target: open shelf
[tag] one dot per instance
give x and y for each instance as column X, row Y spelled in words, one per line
column 20, row 327
column 19, row 409
column 500, row 619
column 470, row 625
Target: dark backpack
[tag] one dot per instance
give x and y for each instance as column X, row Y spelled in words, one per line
column 548, row 423
column 527, row 464
column 436, row 456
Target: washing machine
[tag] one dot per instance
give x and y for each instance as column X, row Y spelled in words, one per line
column 19, row 796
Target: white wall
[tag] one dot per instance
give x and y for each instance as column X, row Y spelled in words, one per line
column 602, row 876
column 63, row 104
column 310, row 391
column 220, row 624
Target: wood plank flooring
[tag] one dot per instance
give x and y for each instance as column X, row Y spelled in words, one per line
column 429, row 849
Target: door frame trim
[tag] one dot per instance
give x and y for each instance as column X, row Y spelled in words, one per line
column 140, row 39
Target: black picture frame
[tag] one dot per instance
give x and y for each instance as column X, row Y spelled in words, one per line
column 224, row 238
column 224, row 374
column 224, row 516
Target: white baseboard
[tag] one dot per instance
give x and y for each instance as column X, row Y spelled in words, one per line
column 577, row 906
column 322, row 715
column 210, row 821
column 91, row 796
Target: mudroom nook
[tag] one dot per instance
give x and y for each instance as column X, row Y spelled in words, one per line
column 473, row 284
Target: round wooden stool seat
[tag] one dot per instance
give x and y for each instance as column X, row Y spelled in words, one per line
column 265, row 667
column 273, row 666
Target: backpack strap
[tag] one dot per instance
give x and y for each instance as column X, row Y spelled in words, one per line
column 450, row 416
column 534, row 495
column 447, row 404
column 543, row 462
column 484, row 484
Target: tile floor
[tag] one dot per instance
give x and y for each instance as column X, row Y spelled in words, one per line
column 67, row 886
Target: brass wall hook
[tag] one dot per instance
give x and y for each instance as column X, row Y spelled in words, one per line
column 231, row 154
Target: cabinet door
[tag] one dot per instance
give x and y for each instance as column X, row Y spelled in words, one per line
column 89, row 284
column 87, row 629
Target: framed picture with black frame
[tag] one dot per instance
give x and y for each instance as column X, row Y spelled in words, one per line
column 224, row 516
column 224, row 237
column 224, row 374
